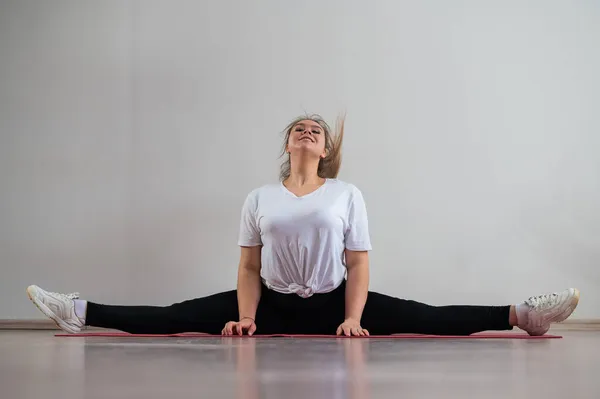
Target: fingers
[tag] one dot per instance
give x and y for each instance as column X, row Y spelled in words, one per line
column 351, row 331
column 224, row 331
column 229, row 328
column 238, row 328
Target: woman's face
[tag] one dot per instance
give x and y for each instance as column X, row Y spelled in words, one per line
column 307, row 136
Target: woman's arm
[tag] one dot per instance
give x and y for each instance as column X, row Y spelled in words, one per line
column 357, row 287
column 356, row 237
column 249, row 285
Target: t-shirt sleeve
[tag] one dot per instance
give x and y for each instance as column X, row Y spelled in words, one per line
column 357, row 236
column 249, row 234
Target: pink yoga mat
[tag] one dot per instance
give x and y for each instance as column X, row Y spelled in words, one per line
column 399, row 336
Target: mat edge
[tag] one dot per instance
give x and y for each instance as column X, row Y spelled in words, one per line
column 42, row 324
column 490, row 335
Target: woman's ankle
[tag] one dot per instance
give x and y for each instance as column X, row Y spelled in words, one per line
column 513, row 320
column 80, row 309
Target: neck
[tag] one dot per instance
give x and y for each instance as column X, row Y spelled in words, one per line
column 304, row 172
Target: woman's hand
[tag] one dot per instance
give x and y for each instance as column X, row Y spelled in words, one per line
column 351, row 327
column 246, row 324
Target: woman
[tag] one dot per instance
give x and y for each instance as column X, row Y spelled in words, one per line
column 304, row 269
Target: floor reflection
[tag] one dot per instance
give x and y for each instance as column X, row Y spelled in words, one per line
column 39, row 365
column 274, row 373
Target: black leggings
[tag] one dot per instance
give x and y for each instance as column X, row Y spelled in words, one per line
column 290, row 314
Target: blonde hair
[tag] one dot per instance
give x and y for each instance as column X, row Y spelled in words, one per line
column 329, row 166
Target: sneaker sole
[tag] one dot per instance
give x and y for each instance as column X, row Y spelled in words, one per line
column 48, row 313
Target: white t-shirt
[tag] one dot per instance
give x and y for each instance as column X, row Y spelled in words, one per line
column 304, row 238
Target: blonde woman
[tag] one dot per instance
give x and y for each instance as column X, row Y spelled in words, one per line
column 304, row 269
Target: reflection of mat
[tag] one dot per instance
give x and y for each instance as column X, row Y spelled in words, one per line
column 399, row 336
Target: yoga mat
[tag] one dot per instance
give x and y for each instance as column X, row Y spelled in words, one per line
column 398, row 336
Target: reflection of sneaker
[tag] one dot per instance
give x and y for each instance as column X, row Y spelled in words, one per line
column 542, row 310
column 59, row 307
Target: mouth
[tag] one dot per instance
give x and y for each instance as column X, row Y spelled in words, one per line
column 306, row 139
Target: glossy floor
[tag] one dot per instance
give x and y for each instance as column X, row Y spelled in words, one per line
column 38, row 365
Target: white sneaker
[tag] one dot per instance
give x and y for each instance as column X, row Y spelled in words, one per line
column 59, row 307
column 550, row 308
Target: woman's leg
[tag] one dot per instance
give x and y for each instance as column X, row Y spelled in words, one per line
column 208, row 314
column 385, row 315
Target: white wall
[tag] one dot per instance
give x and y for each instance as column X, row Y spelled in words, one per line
column 130, row 133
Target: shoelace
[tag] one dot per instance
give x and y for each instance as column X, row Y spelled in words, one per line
column 73, row 295
column 542, row 301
